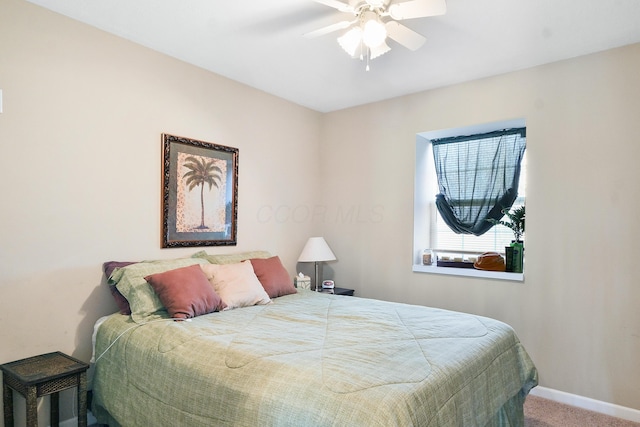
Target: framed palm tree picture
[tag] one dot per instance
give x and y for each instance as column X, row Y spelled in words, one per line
column 199, row 193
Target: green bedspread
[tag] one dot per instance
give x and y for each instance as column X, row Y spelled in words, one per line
column 312, row 359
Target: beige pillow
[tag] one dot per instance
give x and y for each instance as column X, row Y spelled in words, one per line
column 237, row 284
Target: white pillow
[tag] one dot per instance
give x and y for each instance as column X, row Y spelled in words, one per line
column 237, row 284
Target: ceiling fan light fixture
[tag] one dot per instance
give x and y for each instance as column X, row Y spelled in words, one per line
column 350, row 41
column 377, row 51
column 377, row 20
column 375, row 3
column 374, row 32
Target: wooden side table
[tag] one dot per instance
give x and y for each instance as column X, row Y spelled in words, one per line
column 42, row 375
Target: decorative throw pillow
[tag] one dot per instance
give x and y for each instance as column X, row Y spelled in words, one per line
column 185, row 292
column 108, row 268
column 143, row 300
column 236, row 284
column 273, row 276
column 231, row 258
column 121, row 301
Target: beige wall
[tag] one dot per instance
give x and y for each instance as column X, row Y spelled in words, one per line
column 80, row 169
column 577, row 310
column 80, row 182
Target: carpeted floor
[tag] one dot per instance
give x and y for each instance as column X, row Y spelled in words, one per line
column 541, row 412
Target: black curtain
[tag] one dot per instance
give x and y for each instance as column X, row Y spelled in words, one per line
column 478, row 177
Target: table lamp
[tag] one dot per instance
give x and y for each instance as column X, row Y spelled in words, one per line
column 316, row 250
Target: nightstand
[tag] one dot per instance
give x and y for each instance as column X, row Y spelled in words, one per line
column 42, row 375
column 339, row 291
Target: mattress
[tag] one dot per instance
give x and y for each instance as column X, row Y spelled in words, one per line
column 311, row 359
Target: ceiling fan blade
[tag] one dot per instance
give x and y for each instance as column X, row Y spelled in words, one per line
column 403, row 35
column 329, row 29
column 417, row 9
column 336, row 4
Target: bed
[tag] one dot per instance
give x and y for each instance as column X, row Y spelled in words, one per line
column 310, row 359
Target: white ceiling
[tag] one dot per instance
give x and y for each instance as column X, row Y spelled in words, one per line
column 260, row 42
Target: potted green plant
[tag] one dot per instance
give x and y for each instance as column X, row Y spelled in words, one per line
column 516, row 250
column 516, row 223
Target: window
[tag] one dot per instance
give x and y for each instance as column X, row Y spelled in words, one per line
column 493, row 240
column 430, row 230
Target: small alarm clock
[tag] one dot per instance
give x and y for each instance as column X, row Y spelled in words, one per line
column 327, row 284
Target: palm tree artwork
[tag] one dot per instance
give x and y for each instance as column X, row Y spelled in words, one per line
column 201, row 171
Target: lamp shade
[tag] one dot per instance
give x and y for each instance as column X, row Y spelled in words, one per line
column 350, row 41
column 315, row 250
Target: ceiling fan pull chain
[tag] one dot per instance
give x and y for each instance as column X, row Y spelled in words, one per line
column 368, row 56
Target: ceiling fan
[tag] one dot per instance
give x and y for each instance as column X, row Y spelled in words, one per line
column 374, row 21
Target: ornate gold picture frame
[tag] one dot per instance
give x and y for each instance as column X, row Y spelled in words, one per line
column 199, row 193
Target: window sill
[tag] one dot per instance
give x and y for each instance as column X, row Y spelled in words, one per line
column 468, row 272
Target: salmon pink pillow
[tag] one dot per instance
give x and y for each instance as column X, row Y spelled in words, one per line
column 185, row 292
column 273, row 276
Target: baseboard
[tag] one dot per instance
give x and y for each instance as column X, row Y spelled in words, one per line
column 587, row 403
